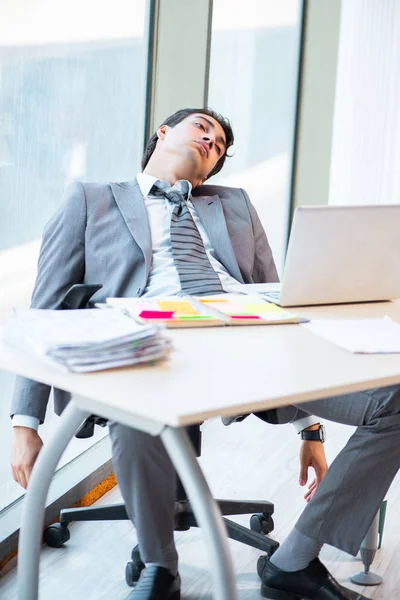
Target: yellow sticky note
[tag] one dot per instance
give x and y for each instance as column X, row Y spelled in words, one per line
column 179, row 307
column 263, row 308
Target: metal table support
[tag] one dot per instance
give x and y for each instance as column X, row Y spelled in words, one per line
column 185, row 462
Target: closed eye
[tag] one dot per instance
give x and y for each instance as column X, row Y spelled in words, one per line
column 201, row 125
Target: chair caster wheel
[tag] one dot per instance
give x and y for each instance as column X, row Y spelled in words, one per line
column 56, row 535
column 262, row 524
column 132, row 572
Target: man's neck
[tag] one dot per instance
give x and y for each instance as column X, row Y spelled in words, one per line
column 170, row 173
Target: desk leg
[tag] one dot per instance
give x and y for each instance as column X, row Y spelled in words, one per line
column 207, row 512
column 30, row 537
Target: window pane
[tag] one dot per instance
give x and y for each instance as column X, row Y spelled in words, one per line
column 72, row 95
column 253, row 81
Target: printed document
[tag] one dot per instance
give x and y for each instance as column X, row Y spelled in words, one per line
column 369, row 336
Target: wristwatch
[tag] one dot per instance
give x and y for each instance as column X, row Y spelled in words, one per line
column 314, row 435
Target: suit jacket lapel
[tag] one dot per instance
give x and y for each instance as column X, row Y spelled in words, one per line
column 209, row 209
column 130, row 202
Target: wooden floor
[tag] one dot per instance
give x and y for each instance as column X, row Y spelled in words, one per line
column 250, row 460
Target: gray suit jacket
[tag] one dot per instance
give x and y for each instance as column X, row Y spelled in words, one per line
column 101, row 234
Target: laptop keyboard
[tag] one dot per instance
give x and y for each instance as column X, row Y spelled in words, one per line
column 273, row 295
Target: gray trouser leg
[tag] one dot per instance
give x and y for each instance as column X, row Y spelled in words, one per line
column 146, row 479
column 351, row 492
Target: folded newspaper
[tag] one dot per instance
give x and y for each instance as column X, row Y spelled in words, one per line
column 85, row 340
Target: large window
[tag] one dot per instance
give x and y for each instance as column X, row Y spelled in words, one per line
column 72, row 98
column 253, row 81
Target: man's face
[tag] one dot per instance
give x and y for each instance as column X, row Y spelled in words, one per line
column 198, row 138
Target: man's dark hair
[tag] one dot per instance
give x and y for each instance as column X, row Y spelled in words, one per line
column 179, row 116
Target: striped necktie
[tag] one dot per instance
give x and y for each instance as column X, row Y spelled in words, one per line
column 196, row 275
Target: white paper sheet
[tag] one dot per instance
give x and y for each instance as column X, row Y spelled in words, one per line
column 368, row 336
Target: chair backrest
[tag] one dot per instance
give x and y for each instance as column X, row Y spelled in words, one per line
column 78, row 296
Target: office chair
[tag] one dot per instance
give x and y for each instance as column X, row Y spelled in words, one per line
column 261, row 522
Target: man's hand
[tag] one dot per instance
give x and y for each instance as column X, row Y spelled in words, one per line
column 312, row 454
column 26, row 447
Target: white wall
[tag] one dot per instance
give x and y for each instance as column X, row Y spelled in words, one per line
column 365, row 164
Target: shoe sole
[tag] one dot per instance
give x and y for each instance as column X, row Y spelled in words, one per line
column 273, row 594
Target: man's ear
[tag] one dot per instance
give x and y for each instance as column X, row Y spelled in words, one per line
column 161, row 131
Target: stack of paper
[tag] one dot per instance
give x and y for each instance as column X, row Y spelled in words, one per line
column 85, row 340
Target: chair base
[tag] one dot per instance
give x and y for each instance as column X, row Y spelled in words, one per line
column 261, row 524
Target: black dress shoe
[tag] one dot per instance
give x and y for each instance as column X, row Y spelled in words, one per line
column 156, row 583
column 313, row 583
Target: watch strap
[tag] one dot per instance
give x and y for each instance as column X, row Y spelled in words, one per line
column 314, row 435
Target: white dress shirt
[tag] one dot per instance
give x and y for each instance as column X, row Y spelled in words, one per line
column 164, row 278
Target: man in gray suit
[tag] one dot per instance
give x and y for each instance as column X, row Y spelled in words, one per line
column 124, row 235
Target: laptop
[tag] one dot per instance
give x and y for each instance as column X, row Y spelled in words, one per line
column 339, row 254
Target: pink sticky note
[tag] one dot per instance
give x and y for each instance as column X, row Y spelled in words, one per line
column 156, row 314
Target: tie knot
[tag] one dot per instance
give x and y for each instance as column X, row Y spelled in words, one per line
column 176, row 194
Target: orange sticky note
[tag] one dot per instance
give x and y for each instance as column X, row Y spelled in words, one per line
column 178, row 307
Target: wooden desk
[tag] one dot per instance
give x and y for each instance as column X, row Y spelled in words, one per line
column 215, row 371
